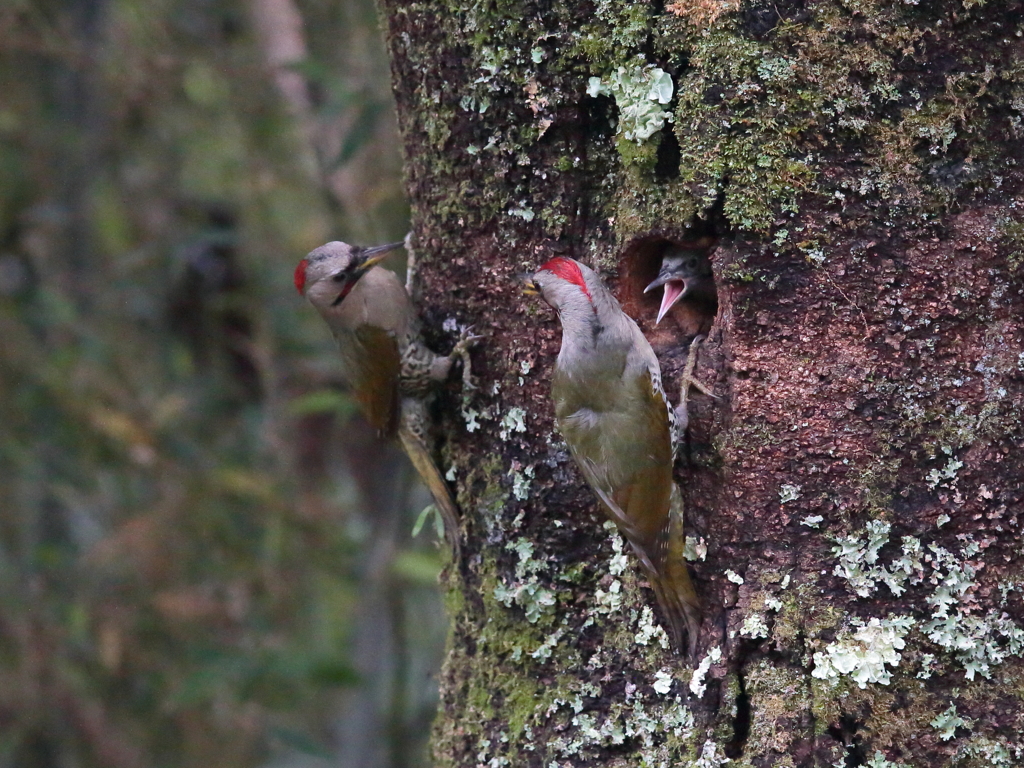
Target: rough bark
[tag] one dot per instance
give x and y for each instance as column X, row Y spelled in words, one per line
column 858, row 479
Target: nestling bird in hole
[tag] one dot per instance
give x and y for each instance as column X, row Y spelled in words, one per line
column 684, row 273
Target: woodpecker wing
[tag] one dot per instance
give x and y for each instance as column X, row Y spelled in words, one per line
column 662, row 526
column 644, row 492
column 622, row 444
column 376, row 365
column 626, row 457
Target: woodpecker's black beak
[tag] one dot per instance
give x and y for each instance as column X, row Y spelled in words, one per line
column 362, row 260
column 369, row 257
column 529, row 286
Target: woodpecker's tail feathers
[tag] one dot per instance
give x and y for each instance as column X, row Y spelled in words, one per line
column 672, row 585
column 678, row 602
column 419, row 455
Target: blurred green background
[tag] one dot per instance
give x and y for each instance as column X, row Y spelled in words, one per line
column 205, row 554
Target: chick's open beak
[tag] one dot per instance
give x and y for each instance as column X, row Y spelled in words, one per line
column 675, row 289
column 658, row 281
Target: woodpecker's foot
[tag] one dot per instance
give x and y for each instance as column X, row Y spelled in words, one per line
column 687, row 379
column 467, row 340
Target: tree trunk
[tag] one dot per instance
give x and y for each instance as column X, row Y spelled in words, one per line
column 854, row 168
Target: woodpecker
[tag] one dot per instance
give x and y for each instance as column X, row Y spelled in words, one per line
column 684, row 272
column 388, row 368
column 613, row 413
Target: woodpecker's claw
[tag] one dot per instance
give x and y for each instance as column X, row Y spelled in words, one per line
column 688, row 379
column 467, row 340
column 696, row 384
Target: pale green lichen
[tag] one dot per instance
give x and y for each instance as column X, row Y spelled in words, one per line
column 812, row 521
column 789, row 493
column 632, row 620
column 662, row 681
column 697, row 684
column 863, row 655
column 947, row 722
column 993, row 752
column 651, row 723
column 618, row 562
column 945, row 476
column 471, row 417
column 878, row 760
column 610, row 600
column 976, row 642
column 858, row 560
column 544, row 651
column 650, row 630
column 695, row 548
column 640, row 94
column 754, row 626
column 711, row 756
column 526, row 591
column 927, row 664
column 858, row 556
column 522, row 212
column 521, row 481
column 732, row 576
column 512, row 422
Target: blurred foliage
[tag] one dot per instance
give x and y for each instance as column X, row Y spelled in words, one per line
column 180, row 552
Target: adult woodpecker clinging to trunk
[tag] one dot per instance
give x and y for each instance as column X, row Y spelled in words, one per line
column 684, row 272
column 613, row 413
column 388, row 368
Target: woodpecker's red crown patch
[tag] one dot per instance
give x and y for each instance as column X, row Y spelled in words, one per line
column 300, row 276
column 568, row 270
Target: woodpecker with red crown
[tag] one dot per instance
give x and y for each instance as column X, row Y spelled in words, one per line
column 684, row 272
column 613, row 413
column 385, row 362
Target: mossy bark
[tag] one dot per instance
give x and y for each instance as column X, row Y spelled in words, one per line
column 858, row 479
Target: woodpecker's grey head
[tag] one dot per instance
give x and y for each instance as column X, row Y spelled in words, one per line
column 330, row 272
column 684, row 271
column 566, row 285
